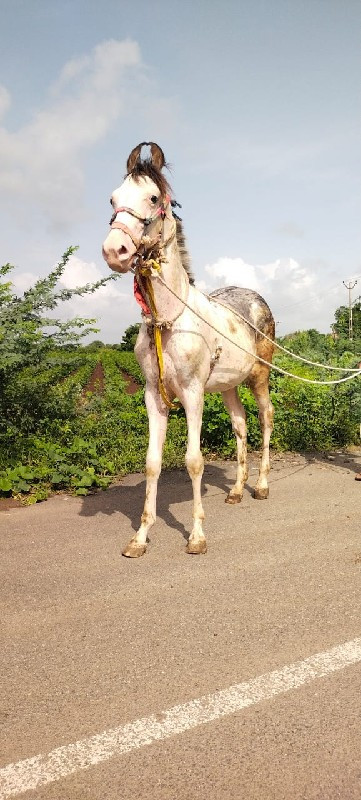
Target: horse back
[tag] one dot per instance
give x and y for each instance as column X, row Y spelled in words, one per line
column 248, row 304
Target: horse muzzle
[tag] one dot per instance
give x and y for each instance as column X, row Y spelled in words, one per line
column 118, row 251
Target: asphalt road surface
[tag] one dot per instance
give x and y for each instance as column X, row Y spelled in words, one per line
column 236, row 674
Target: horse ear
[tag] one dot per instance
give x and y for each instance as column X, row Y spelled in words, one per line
column 157, row 154
column 133, row 157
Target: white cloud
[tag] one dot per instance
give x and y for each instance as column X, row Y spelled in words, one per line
column 295, row 293
column 112, row 305
column 23, row 280
column 78, row 273
column 71, row 70
column 233, row 271
column 43, row 160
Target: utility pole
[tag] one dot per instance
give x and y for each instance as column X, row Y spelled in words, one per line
column 349, row 286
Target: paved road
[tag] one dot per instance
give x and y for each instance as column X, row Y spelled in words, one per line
column 94, row 642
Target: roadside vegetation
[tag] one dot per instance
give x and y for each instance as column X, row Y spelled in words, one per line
column 72, row 416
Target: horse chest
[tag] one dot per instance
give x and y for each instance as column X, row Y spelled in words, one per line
column 185, row 356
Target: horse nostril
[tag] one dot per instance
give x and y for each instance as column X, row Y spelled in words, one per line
column 122, row 251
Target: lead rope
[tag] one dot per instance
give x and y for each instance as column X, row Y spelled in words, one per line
column 355, row 373
column 284, row 349
column 145, row 272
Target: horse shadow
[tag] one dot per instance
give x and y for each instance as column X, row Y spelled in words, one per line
column 348, row 460
column 174, row 487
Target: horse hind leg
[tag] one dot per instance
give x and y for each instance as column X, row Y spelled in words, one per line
column 259, row 383
column 238, row 419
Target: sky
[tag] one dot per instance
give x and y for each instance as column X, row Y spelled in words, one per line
column 256, row 104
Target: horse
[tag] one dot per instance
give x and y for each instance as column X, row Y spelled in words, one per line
column 189, row 343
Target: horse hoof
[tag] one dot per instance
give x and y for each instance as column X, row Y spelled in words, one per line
column 197, row 548
column 232, row 499
column 261, row 494
column 134, row 550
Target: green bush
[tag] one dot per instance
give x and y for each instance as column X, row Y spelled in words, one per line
column 54, row 436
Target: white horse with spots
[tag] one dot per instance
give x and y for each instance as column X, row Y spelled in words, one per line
column 204, row 345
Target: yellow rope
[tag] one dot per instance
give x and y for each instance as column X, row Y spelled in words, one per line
column 146, row 272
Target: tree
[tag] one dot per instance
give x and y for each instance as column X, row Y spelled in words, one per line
column 130, row 337
column 92, row 347
column 342, row 316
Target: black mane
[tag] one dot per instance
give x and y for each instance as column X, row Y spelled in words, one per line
column 145, row 169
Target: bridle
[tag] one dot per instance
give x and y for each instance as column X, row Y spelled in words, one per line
column 146, row 262
column 146, row 221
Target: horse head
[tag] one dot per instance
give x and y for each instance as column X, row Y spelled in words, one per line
column 139, row 206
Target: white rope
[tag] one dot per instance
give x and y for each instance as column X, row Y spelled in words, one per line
column 262, row 360
column 280, row 346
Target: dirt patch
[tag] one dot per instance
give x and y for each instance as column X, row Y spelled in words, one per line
column 96, row 381
column 132, row 386
column 9, row 502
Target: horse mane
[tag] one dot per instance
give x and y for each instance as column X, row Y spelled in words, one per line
column 183, row 250
column 145, row 169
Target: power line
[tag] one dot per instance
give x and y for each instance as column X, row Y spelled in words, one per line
column 313, row 295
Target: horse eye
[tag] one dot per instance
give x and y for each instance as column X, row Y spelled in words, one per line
column 111, row 201
column 153, row 198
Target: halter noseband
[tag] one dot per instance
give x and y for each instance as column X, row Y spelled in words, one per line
column 160, row 212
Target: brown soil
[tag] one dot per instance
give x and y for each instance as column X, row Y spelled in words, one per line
column 9, row 502
column 132, row 386
column 96, row 381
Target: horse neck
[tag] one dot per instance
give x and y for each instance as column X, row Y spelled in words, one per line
column 174, row 276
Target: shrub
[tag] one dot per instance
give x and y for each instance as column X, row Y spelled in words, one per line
column 53, row 437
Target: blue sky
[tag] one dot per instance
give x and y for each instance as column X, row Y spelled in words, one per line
column 257, row 107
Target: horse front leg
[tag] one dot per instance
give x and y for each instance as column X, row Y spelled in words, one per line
column 158, row 417
column 193, row 406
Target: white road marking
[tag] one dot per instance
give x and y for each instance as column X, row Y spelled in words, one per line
column 85, row 753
